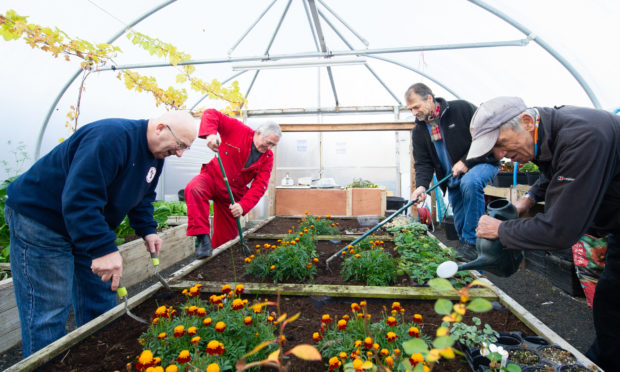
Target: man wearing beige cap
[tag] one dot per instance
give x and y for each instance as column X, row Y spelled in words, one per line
column 578, row 152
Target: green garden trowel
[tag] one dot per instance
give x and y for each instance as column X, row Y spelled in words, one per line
column 122, row 294
column 161, row 279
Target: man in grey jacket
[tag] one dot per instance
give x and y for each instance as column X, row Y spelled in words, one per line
column 578, row 152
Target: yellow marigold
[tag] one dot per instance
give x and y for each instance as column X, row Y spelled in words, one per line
column 226, row 288
column 357, row 364
column 184, row 357
column 391, row 336
column 315, row 260
column 376, row 346
column 194, row 291
column 184, row 291
column 363, row 304
column 172, row 368
column 417, row 318
column 192, row 310
column 145, row 359
column 326, row 319
column 389, row 361
column 161, row 336
column 220, row 327
column 346, row 317
column 309, row 265
column 384, row 352
column 161, row 311
column 396, row 306
column 334, row 363
column 207, row 321
column 357, row 343
column 357, row 255
column 201, row 312
column 195, row 340
column 391, row 321
column 237, row 304
column 316, row 336
column 416, row 358
column 155, row 320
column 293, row 242
column 397, row 352
column 213, row 367
column 368, row 342
column 154, row 369
column 257, row 308
column 179, row 331
column 257, row 246
column 247, row 320
column 248, row 260
column 414, row 332
column 342, row 324
column 355, row 307
column 239, row 288
column 343, row 355
column 273, row 267
column 192, row 331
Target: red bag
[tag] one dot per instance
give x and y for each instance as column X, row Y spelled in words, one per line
column 589, row 258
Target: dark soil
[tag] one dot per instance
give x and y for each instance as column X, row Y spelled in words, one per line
column 280, row 225
column 117, row 344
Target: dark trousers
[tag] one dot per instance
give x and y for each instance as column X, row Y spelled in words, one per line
column 605, row 350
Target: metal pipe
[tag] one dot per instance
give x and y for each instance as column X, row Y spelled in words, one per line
column 331, row 53
column 232, row 49
column 275, row 32
column 321, row 39
column 584, row 84
column 344, row 23
column 37, row 150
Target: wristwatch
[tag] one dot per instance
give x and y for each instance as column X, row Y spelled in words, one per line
column 531, row 197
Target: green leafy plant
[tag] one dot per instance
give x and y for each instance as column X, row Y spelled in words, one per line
column 472, row 335
column 161, row 212
column 202, row 333
column 528, row 167
column 5, row 239
column 316, row 225
column 177, row 208
column 360, row 183
column 367, row 262
column 354, row 337
column 291, row 260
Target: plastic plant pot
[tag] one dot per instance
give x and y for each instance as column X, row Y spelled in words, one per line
column 557, row 355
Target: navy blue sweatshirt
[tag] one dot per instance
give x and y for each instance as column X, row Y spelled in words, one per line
column 85, row 186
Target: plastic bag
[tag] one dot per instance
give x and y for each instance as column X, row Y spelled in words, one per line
column 589, row 258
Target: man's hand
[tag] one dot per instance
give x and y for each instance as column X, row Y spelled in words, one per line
column 419, row 194
column 488, row 227
column 236, row 210
column 459, row 168
column 152, row 243
column 523, row 205
column 213, row 142
column 109, row 267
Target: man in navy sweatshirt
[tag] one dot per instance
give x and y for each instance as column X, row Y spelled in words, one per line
column 63, row 211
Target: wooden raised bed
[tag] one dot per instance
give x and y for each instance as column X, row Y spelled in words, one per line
column 342, row 202
column 392, row 293
column 137, row 267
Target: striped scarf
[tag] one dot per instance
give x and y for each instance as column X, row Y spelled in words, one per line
column 433, row 121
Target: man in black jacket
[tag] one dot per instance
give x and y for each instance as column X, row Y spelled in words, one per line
column 578, row 152
column 441, row 139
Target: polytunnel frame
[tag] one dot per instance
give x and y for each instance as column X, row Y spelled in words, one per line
column 322, row 51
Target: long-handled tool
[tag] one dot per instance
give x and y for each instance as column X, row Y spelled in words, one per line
column 386, row 220
column 246, row 249
column 161, row 279
column 122, row 294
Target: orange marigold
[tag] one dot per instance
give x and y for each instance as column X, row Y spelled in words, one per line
column 247, row 320
column 220, row 327
column 201, row 312
column 184, row 357
column 342, row 324
column 316, row 337
column 368, row 342
column 334, row 363
column 391, row 336
column 145, row 360
column 391, row 321
column 207, row 321
column 414, row 332
column 195, row 340
column 239, row 288
column 191, row 331
column 226, row 289
column 161, row 336
column 237, row 304
column 396, row 306
column 417, row 318
column 179, row 331
column 172, row 368
column 326, row 319
column 213, row 367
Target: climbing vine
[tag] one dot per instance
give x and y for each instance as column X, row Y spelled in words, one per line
column 95, row 56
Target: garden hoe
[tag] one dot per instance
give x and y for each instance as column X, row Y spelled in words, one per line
column 386, row 220
column 161, row 279
column 122, row 294
column 246, row 249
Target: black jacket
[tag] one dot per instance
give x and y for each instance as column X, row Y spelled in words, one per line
column 454, row 123
column 580, row 180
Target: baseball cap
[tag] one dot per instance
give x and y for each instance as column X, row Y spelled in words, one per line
column 487, row 120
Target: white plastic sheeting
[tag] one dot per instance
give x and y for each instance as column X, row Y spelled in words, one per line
column 583, row 32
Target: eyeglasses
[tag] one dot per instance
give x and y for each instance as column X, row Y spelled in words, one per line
column 181, row 145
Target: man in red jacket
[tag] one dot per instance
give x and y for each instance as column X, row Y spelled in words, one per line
column 247, row 157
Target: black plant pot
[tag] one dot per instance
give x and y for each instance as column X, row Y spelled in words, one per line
column 503, row 179
column 532, row 177
column 448, row 223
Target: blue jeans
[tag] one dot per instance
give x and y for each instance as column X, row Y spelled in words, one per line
column 467, row 199
column 50, row 274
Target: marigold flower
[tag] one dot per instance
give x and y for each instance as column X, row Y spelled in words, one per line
column 316, row 337
column 309, row 265
column 192, row 331
column 416, row 358
column 184, row 291
column 237, row 304
column 397, row 352
column 384, row 352
column 215, row 299
column 396, row 306
column 184, row 357
column 344, row 253
column 270, row 319
column 155, row 320
column 389, row 361
column 355, row 307
column 192, row 310
column 213, row 367
column 226, row 289
column 179, row 331
column 161, row 312
column 357, row 343
column 358, row 364
column 248, row 260
column 333, row 224
column 357, row 255
column 220, row 327
column 257, row 246
column 414, row 332
column 334, row 363
column 343, row 355
column 293, row 242
column 326, row 319
column 417, row 318
column 273, row 267
column 154, row 369
column 257, row 308
column 369, row 354
column 172, row 368
column 194, row 291
column 201, row 312
column 391, row 336
column 239, row 288
column 145, row 360
column 161, row 336
column 342, row 324
column 363, row 304
column 195, row 340
column 346, row 317
column 207, row 321
column 315, row 260
column 247, row 320
column 368, row 342
column 252, row 256
column 391, row 321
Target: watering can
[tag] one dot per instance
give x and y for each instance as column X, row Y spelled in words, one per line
column 492, row 256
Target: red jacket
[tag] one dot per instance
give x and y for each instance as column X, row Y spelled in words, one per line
column 234, row 151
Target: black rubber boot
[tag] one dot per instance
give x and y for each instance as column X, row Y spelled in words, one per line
column 204, row 248
column 466, row 252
